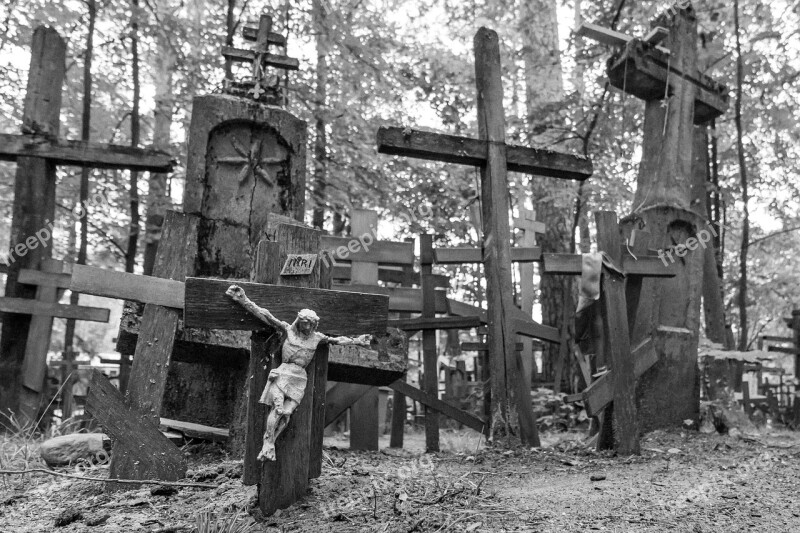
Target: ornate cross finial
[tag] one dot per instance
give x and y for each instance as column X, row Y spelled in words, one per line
column 258, row 86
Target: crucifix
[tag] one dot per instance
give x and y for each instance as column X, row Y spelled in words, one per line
column 495, row 158
column 257, row 85
column 621, row 271
column 298, row 450
column 37, row 152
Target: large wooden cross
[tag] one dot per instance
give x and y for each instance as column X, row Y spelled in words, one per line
column 37, row 152
column 257, row 86
column 495, row 158
column 620, row 288
column 299, row 448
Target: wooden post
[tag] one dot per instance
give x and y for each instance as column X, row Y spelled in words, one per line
column 508, row 381
column 529, row 226
column 398, row 398
column 626, row 433
column 34, row 205
column 430, row 357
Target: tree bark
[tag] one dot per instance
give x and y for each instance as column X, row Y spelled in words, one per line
column 133, row 231
column 320, row 103
column 742, row 296
column 230, row 29
column 157, row 199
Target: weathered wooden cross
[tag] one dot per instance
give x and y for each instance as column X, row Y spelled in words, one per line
column 299, row 448
column 495, row 158
column 260, row 58
column 37, row 152
column 42, row 310
column 620, row 288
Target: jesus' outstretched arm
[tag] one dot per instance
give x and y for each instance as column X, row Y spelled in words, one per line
column 237, row 294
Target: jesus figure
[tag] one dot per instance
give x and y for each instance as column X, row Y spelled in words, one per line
column 286, row 385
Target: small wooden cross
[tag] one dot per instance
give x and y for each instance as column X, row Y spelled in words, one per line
column 620, row 288
column 260, row 58
column 491, row 153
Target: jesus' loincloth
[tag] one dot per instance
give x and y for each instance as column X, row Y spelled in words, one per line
column 290, row 378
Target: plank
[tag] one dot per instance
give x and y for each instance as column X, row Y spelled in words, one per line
column 148, row 375
column 341, row 312
column 401, row 299
column 643, row 266
column 600, row 394
column 528, row 327
column 625, row 422
column 364, row 423
column 435, row 323
column 40, row 278
column 271, row 60
column 34, row 366
column 36, row 308
column 457, row 256
column 615, row 38
column 464, row 309
column 438, row 405
column 127, row 286
column 430, row 357
column 482, row 346
column 364, row 247
column 250, row 33
column 84, row 153
column 340, row 397
column 137, row 440
column 196, row 431
column 777, row 338
column 473, row 152
column 782, row 349
column 343, row 272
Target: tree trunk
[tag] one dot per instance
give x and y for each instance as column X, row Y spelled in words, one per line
column 133, row 231
column 742, row 297
column 544, row 85
column 320, row 103
column 157, row 200
column 74, row 298
column 230, row 29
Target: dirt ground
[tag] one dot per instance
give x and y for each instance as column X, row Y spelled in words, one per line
column 683, row 481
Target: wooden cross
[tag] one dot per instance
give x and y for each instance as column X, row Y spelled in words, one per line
column 37, row 152
column 260, row 58
column 42, row 310
column 526, row 222
column 491, row 153
column 299, row 448
column 642, row 68
column 618, row 311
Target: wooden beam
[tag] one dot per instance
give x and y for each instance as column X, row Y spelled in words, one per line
column 776, row 338
column 615, row 38
column 642, row 266
column 468, row 151
column 126, row 286
column 250, row 33
column 438, row 405
column 781, row 349
column 361, row 248
column 340, row 397
column 150, row 453
column 241, row 55
column 59, row 280
column 600, row 394
column 344, row 272
column 401, row 299
column 457, row 256
column 435, row 323
column 528, row 327
column 33, row 307
column 482, row 346
column 84, row 153
column 464, row 309
column 196, row 431
column 341, row 312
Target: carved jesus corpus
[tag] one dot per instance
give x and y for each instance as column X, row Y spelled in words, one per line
column 286, row 384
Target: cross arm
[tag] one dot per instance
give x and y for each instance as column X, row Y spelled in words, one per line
column 473, row 152
column 642, row 266
column 83, row 153
column 238, row 295
column 241, row 55
column 341, row 313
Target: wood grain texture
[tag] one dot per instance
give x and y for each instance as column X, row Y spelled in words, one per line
column 458, row 256
column 137, row 441
column 341, row 313
column 126, row 286
column 435, row 323
column 148, row 375
column 84, row 153
column 401, row 299
column 34, row 366
column 364, row 246
column 639, row 266
column 473, row 152
column 511, row 390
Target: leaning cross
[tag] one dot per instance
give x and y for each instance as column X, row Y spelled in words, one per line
column 495, row 158
column 298, row 451
column 259, row 57
column 620, row 288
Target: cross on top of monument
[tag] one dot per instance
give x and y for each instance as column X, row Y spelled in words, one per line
column 258, row 85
